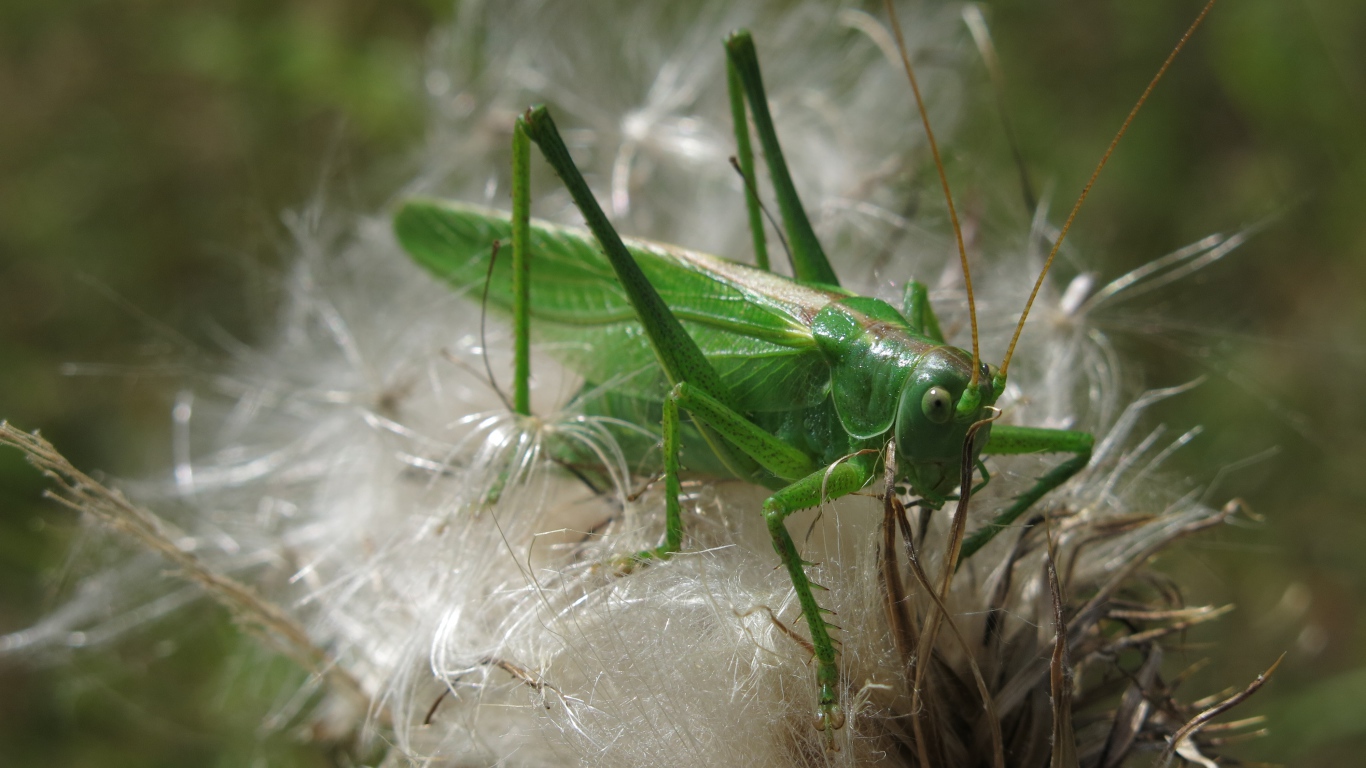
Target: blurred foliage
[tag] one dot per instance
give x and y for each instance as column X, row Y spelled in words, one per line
column 1259, row 126
column 146, row 151
column 147, row 148
column 1260, row 123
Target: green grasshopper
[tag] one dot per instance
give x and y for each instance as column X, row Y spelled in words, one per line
column 797, row 385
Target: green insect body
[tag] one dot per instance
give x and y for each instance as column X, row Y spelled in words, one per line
column 795, row 384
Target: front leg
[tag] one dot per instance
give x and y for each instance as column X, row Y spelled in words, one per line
column 1017, row 440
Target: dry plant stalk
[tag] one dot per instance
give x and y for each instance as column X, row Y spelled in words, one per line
column 83, row 494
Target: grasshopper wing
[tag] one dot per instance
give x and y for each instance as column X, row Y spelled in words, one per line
column 752, row 325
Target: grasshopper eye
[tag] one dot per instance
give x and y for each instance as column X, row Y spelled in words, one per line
column 937, row 405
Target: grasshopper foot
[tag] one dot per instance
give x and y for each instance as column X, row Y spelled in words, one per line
column 624, row 565
column 829, row 718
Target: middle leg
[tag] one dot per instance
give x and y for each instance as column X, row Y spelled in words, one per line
column 770, row 452
column 810, row 487
column 824, row 484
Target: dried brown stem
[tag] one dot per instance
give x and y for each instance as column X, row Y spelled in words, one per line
column 1199, row 721
column 81, row 493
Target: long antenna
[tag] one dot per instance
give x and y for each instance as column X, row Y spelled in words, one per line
column 1005, row 364
column 943, row 180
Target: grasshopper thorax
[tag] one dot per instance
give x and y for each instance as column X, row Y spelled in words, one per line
column 889, row 381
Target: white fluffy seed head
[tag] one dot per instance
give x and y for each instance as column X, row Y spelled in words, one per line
column 345, row 468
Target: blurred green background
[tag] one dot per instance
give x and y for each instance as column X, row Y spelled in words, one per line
column 147, row 149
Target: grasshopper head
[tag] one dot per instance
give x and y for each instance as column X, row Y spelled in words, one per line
column 933, row 418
